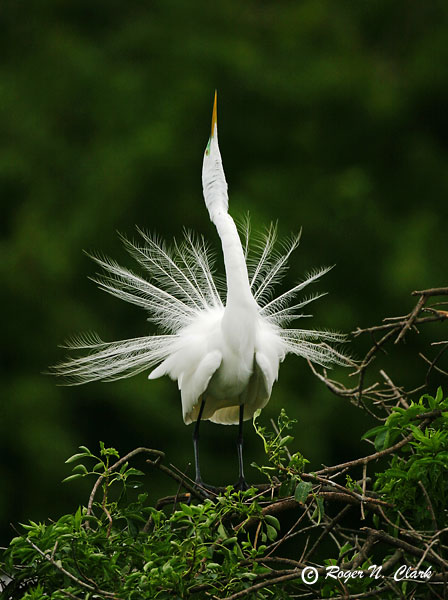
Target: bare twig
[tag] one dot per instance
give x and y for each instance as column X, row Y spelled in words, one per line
column 365, row 459
column 364, row 482
column 441, row 291
column 409, row 548
column 327, row 529
column 396, row 393
column 376, row 455
column 432, row 364
column 410, row 321
column 398, row 323
column 429, row 506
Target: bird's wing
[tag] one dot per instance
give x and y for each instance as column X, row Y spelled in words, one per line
column 267, row 376
column 194, row 384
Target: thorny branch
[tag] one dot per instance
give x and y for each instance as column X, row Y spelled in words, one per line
column 383, row 392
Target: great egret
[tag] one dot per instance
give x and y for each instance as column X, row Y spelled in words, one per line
column 224, row 352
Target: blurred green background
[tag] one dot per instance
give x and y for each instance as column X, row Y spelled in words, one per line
column 332, row 115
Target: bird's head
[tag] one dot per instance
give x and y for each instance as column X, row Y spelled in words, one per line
column 214, row 183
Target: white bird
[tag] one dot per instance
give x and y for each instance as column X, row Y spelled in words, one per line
column 224, row 352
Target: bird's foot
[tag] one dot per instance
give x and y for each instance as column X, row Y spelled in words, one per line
column 241, row 485
column 208, row 491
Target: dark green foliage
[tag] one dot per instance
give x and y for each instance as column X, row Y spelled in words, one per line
column 191, row 547
column 117, row 553
column 418, row 475
column 276, row 448
column 122, row 547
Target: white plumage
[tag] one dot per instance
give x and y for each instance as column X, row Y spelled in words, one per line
column 223, row 347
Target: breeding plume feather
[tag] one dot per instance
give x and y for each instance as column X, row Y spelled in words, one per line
column 222, row 343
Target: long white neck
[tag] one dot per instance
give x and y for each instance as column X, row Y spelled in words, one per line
column 216, row 199
column 238, row 287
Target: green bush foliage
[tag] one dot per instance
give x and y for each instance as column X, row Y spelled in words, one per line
column 238, row 544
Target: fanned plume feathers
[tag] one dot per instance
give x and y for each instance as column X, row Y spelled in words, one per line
column 179, row 286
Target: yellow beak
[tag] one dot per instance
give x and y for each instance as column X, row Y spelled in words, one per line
column 214, row 115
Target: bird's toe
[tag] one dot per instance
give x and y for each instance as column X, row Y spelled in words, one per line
column 206, row 490
column 241, row 485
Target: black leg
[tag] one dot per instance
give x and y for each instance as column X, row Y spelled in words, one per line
column 198, row 478
column 242, row 484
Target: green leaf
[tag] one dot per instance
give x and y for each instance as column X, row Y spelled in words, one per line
column 399, row 409
column 72, row 477
column 347, row 546
column 78, row 518
column 286, row 488
column 222, row 532
column 271, row 532
column 15, row 540
column 397, row 473
column 302, row 491
column 109, row 452
column 80, row 469
column 382, row 440
column 186, row 509
column 286, row 440
column 320, row 509
column 133, row 471
column 76, row 457
column 248, row 575
column 230, row 540
column 273, row 521
column 418, row 434
column 374, row 431
column 167, row 568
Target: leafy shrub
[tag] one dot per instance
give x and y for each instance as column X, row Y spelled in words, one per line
column 238, row 544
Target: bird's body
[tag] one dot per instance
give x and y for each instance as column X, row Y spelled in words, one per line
column 223, row 356
column 224, row 362
column 224, row 350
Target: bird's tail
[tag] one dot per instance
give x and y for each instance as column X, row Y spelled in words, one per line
column 214, row 182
